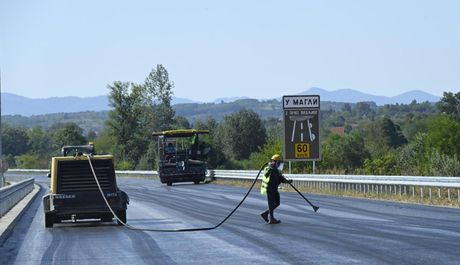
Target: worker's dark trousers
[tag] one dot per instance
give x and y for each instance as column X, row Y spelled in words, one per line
column 273, row 198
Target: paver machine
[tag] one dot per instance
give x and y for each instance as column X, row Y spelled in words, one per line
column 182, row 156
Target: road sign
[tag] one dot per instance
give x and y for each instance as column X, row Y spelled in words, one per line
column 301, row 128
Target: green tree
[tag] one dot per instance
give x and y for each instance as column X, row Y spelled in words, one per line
column 380, row 136
column 241, row 134
column 159, row 95
column 348, row 128
column 216, row 157
column 444, row 135
column 392, row 132
column 180, row 122
column 70, row 134
column 15, row 140
column 385, row 165
column 346, row 108
column 274, row 129
column 257, row 159
column 421, row 157
column 156, row 114
column 40, row 142
column 343, row 152
column 138, row 110
column 32, row 161
column 414, row 124
column 127, row 122
column 444, row 165
column 411, row 159
column 450, row 104
column 374, row 138
column 105, row 143
column 364, row 110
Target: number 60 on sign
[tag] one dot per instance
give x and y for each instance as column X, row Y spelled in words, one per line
column 302, row 150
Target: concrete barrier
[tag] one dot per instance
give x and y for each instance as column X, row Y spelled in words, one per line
column 12, row 194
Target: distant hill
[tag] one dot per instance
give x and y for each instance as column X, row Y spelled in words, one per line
column 88, row 120
column 201, row 111
column 354, row 96
column 228, row 100
column 18, row 105
column 95, row 120
column 420, row 96
column 265, row 108
column 13, row 104
column 176, row 101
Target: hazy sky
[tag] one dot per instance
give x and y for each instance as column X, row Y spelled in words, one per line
column 214, row 49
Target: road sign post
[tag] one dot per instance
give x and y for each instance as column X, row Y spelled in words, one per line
column 301, row 128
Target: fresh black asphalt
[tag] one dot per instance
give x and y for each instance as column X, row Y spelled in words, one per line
column 344, row 231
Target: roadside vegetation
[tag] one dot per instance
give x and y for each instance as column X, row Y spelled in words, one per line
column 419, row 138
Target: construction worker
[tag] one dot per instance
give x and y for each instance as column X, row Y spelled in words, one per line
column 270, row 182
column 170, row 153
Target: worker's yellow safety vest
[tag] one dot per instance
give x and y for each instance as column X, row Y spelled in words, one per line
column 265, row 180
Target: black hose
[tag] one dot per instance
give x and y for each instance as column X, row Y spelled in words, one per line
column 205, row 228
column 175, row 230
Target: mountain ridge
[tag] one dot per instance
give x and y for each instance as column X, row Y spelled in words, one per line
column 13, row 104
column 354, row 96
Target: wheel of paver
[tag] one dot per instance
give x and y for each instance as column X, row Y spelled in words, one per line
column 122, row 216
column 49, row 219
column 169, row 183
column 197, row 182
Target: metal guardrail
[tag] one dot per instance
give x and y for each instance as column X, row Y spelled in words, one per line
column 12, row 194
column 402, row 185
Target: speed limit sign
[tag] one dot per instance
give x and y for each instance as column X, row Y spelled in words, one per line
column 301, row 127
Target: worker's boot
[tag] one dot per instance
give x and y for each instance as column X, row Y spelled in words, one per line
column 265, row 216
column 274, row 221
